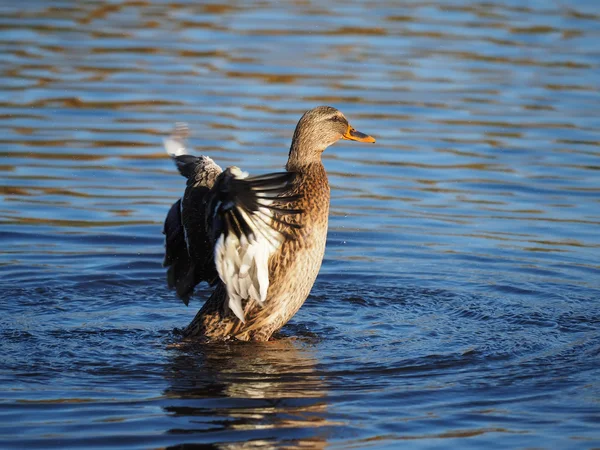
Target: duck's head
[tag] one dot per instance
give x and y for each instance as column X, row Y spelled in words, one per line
column 318, row 129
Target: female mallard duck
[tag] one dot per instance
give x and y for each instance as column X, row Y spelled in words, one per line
column 259, row 240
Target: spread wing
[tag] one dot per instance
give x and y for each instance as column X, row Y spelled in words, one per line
column 188, row 245
column 226, row 226
column 247, row 230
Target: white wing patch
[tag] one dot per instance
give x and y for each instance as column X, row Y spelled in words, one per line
column 175, row 144
column 243, row 263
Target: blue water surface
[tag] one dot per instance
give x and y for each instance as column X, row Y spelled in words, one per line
column 458, row 303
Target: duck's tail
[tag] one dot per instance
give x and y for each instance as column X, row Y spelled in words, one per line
column 248, row 226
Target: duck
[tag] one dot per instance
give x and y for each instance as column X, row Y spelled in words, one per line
column 258, row 241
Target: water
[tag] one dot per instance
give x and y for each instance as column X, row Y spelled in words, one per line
column 457, row 305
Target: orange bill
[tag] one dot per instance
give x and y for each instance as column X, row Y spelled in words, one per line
column 352, row 135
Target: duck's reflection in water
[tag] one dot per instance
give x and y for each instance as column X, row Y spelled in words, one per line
column 248, row 395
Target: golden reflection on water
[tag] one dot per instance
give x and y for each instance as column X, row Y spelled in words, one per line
column 280, row 373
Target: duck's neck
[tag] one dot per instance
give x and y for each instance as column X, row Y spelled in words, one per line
column 303, row 155
column 312, row 186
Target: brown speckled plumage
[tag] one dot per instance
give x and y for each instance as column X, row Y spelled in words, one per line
column 293, row 268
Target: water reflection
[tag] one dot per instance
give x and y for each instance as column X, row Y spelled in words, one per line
column 469, row 234
column 247, row 389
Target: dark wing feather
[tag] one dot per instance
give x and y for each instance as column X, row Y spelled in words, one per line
column 186, row 164
column 188, row 246
column 176, row 253
column 232, row 195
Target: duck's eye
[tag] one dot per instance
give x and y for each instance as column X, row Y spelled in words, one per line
column 336, row 119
